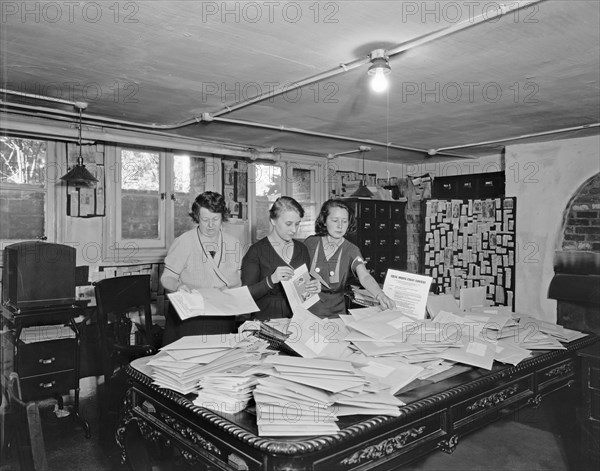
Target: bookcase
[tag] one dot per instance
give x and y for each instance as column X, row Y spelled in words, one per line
column 380, row 234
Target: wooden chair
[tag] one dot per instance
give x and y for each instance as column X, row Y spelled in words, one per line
column 117, row 299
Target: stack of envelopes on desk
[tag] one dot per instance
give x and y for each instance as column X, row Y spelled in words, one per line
column 305, row 396
column 230, row 390
column 180, row 365
column 477, row 337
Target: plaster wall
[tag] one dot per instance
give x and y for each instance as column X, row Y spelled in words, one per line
column 543, row 177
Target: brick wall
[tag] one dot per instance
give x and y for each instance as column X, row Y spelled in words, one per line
column 582, row 219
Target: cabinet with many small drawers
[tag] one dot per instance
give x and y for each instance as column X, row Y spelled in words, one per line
column 380, row 234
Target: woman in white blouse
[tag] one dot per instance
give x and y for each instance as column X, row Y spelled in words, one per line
column 203, row 257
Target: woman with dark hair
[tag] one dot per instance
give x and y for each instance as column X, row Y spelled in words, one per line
column 274, row 258
column 334, row 259
column 203, row 257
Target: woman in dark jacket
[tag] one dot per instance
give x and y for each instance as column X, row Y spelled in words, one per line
column 274, row 258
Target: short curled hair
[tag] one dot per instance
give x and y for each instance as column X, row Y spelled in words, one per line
column 320, row 223
column 210, row 200
column 285, row 203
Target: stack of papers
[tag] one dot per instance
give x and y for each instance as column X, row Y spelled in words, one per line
column 213, row 302
column 230, row 390
column 180, row 365
column 474, row 338
column 306, row 396
column 390, row 373
column 363, row 297
column 43, row 333
column 311, row 337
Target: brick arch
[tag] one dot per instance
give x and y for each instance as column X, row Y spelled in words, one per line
column 581, row 219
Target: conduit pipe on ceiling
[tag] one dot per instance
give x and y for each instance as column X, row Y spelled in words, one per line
column 515, row 138
column 127, row 137
column 337, row 137
column 342, row 68
column 92, row 120
column 40, row 97
column 89, row 117
column 345, row 67
column 37, row 111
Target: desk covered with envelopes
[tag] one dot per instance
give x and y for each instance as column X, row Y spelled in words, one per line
column 238, row 402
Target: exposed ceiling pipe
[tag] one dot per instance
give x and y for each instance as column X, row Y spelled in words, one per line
column 360, row 149
column 342, row 68
column 101, row 134
column 95, row 118
column 38, row 97
column 336, row 136
column 100, row 121
column 515, row 138
column 345, row 67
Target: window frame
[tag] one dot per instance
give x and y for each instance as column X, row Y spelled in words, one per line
column 51, row 187
column 131, row 251
column 288, row 164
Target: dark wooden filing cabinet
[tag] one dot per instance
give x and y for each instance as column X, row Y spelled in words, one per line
column 47, row 363
column 380, row 234
column 590, row 371
column 469, row 186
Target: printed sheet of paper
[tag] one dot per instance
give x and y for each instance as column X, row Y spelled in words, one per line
column 409, row 291
column 295, row 289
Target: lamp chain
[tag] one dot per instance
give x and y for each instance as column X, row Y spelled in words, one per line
column 80, row 158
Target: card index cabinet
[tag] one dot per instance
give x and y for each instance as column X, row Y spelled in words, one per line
column 471, row 243
column 380, row 234
column 47, row 359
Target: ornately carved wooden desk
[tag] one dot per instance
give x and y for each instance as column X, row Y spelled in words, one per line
column 435, row 416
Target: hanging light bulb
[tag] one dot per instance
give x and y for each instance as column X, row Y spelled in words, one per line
column 380, row 69
column 379, row 82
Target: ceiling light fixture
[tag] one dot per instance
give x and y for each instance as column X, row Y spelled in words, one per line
column 380, row 69
column 79, row 175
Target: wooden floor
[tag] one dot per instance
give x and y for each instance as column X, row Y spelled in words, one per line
column 542, row 439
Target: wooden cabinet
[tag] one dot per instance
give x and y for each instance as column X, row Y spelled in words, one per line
column 380, row 234
column 469, row 186
column 590, row 429
column 43, row 348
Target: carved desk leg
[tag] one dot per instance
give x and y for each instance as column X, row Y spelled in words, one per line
column 134, row 434
column 448, row 445
column 126, row 417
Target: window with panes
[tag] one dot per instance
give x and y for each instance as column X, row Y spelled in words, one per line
column 28, row 173
column 302, row 180
column 156, row 190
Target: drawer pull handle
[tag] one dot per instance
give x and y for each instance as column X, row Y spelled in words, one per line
column 47, row 385
column 46, row 361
